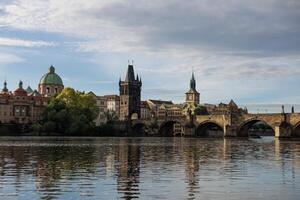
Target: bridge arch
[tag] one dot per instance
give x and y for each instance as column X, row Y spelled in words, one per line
column 139, row 129
column 296, row 130
column 209, row 129
column 166, row 129
column 245, row 129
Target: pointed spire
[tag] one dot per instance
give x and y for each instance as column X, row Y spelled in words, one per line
column 5, row 87
column 130, row 74
column 193, row 82
column 29, row 90
column 21, row 84
column 137, row 77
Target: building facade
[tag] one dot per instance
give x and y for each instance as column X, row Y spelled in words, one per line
column 113, row 104
column 130, row 95
column 26, row 106
column 145, row 111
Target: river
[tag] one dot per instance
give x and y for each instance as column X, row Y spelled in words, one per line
column 149, row 168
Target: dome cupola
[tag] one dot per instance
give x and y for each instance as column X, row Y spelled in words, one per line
column 51, row 78
column 51, row 83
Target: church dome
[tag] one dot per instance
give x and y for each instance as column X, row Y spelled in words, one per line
column 51, row 78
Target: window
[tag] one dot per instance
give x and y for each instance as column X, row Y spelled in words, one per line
column 55, row 90
column 47, row 90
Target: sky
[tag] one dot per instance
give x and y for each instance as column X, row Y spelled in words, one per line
column 246, row 50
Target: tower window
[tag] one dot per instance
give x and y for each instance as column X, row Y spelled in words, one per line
column 47, row 90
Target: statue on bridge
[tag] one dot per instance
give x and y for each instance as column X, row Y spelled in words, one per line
column 282, row 109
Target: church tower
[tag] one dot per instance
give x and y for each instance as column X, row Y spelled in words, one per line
column 130, row 95
column 192, row 96
column 4, row 90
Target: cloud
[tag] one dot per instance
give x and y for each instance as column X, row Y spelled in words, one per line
column 6, row 58
column 23, row 43
column 129, row 26
column 229, row 45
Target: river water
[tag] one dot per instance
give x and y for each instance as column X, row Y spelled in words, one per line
column 149, row 168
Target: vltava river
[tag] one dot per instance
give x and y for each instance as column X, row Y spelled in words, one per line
column 149, row 168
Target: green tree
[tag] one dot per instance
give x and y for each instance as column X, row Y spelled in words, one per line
column 201, row 110
column 71, row 112
column 111, row 116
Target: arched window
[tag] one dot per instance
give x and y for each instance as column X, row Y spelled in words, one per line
column 47, row 90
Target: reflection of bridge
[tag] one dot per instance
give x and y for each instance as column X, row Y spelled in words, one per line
column 227, row 125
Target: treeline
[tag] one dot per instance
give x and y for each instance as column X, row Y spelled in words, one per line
column 71, row 113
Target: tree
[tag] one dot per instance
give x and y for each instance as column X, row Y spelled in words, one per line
column 111, row 116
column 71, row 112
column 201, row 110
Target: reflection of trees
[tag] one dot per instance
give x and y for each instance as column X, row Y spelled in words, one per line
column 128, row 168
column 47, row 164
column 53, row 163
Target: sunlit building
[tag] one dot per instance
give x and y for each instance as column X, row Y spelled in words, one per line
column 26, row 106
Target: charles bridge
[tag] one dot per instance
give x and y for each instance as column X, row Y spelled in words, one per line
column 284, row 125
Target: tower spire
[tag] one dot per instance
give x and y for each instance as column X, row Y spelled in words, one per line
column 21, row 84
column 130, row 74
column 193, row 82
column 5, row 87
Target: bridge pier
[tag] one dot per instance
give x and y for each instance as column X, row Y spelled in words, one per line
column 230, row 131
column 189, row 131
column 283, row 130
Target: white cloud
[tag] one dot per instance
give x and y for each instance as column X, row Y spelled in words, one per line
column 6, row 58
column 23, row 43
column 239, row 40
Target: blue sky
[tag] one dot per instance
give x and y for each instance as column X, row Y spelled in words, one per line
column 242, row 50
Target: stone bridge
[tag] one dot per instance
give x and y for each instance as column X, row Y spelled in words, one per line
column 229, row 125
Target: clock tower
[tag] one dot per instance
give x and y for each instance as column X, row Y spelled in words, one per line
column 192, row 96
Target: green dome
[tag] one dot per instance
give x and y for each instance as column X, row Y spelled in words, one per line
column 51, row 78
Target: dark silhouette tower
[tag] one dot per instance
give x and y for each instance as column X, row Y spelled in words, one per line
column 130, row 95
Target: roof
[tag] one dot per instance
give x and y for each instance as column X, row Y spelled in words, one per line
column 232, row 104
column 29, row 90
column 144, row 104
column 159, row 102
column 20, row 91
column 113, row 97
column 35, row 93
column 130, row 74
column 51, row 78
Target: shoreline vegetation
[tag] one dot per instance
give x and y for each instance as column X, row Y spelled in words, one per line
column 70, row 113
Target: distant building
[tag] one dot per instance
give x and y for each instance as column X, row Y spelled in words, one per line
column 26, row 106
column 155, row 104
column 101, row 102
column 113, row 104
column 172, row 111
column 130, row 95
column 223, row 108
column 145, row 110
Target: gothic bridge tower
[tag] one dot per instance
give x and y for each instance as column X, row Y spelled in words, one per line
column 130, row 95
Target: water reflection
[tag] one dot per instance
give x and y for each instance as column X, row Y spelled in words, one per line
column 148, row 168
